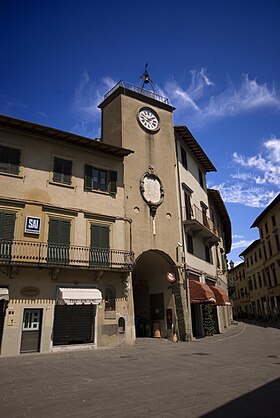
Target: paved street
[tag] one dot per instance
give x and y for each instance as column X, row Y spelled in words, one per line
column 231, row 375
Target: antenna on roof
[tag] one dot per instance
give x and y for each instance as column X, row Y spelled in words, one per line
column 146, row 78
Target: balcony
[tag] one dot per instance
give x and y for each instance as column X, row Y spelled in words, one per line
column 40, row 254
column 137, row 89
column 199, row 224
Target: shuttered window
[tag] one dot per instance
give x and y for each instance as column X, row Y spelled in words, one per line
column 98, row 179
column 59, row 241
column 62, row 171
column 9, row 160
column 100, row 244
column 7, row 226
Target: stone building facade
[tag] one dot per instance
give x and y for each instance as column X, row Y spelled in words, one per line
column 257, row 289
column 94, row 234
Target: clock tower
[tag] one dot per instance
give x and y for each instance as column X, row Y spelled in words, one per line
column 141, row 120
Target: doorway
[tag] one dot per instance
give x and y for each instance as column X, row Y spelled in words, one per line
column 31, row 331
column 152, row 294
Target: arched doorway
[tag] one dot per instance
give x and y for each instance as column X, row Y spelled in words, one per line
column 153, row 293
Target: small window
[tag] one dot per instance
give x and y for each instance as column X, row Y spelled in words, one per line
column 184, row 157
column 250, row 284
column 110, row 299
column 277, row 241
column 102, row 180
column 200, row 175
column 121, row 325
column 190, row 244
column 269, row 248
column 207, row 254
column 273, row 221
column 266, row 228
column 264, row 251
column 274, row 274
column 9, row 160
column 268, row 278
column 261, row 233
column 260, row 280
column 62, row 171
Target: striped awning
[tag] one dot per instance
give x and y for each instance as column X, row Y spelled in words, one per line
column 79, row 296
column 221, row 297
column 200, row 292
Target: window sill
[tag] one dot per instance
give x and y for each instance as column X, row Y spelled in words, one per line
column 18, row 176
column 100, row 192
column 68, row 186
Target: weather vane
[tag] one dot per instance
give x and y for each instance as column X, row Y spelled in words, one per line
column 146, row 78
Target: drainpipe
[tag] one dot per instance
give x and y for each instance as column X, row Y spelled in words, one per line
column 186, row 274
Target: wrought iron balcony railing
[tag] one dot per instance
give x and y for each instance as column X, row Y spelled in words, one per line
column 193, row 213
column 137, row 89
column 50, row 255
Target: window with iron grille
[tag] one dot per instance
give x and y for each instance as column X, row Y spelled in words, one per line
column 62, row 171
column 59, row 241
column 9, row 160
column 99, row 179
column 99, row 245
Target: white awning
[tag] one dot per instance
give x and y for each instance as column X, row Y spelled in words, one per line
column 78, row 296
column 4, row 293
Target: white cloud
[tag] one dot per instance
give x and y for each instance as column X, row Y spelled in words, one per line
column 248, row 196
column 237, row 236
column 241, row 244
column 87, row 97
column 204, row 105
column 265, row 166
column 258, row 182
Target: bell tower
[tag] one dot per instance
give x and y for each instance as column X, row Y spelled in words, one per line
column 141, row 120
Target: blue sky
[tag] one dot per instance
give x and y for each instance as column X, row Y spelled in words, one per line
column 217, row 61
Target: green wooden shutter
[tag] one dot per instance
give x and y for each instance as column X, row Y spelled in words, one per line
column 112, row 181
column 88, row 177
column 9, row 160
column 53, row 231
column 14, row 160
column 64, row 232
column 57, row 170
column 59, row 231
column 67, row 172
column 100, row 236
column 59, row 241
column 7, row 225
column 62, row 170
column 104, row 237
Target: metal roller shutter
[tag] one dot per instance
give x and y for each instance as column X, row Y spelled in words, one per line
column 74, row 324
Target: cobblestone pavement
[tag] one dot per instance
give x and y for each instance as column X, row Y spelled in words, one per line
column 235, row 374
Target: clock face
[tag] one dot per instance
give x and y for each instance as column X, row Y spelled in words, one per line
column 149, row 119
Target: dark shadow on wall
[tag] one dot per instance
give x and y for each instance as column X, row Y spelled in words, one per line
column 263, row 402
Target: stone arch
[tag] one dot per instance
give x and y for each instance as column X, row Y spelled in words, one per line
column 155, row 299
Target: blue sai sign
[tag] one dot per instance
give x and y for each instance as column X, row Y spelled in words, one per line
column 32, row 225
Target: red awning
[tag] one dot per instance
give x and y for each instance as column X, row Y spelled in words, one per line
column 201, row 293
column 221, row 297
